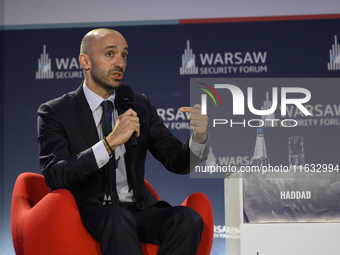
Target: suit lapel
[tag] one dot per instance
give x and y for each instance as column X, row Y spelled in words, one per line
column 84, row 117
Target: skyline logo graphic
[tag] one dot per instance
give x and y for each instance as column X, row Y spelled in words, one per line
column 188, row 62
column 334, row 56
column 211, row 159
column 44, row 66
column 204, row 97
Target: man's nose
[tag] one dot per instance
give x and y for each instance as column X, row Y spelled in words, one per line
column 120, row 62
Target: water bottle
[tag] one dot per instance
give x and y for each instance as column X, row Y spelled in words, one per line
column 260, row 154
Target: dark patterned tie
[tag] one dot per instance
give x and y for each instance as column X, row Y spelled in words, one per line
column 107, row 117
column 109, row 169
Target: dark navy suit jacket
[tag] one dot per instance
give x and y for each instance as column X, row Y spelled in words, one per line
column 66, row 132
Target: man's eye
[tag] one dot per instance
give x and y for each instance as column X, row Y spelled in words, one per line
column 125, row 56
column 109, row 54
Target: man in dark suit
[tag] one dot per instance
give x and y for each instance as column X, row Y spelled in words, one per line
column 103, row 171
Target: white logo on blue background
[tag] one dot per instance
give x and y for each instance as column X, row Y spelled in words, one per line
column 188, row 62
column 334, row 56
column 44, row 66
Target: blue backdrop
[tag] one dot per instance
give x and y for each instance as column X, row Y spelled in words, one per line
column 277, row 49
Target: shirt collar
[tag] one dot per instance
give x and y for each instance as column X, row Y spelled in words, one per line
column 95, row 100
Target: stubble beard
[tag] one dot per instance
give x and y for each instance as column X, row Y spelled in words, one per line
column 105, row 80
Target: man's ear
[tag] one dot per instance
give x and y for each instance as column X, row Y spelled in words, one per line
column 85, row 61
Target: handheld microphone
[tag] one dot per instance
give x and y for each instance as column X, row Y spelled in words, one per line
column 124, row 99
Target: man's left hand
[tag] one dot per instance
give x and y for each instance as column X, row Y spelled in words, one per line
column 198, row 123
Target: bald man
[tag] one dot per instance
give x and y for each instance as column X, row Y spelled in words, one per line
column 104, row 172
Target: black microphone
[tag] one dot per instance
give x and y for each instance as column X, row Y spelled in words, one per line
column 124, row 99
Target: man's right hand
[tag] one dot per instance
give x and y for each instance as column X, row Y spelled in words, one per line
column 126, row 124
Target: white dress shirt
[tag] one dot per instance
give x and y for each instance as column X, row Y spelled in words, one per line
column 100, row 153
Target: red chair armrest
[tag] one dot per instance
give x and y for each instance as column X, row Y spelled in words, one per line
column 54, row 226
column 152, row 190
column 201, row 204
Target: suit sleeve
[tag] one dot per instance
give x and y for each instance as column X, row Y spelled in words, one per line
column 60, row 167
column 172, row 153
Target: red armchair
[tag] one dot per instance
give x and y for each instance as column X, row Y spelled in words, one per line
column 49, row 223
